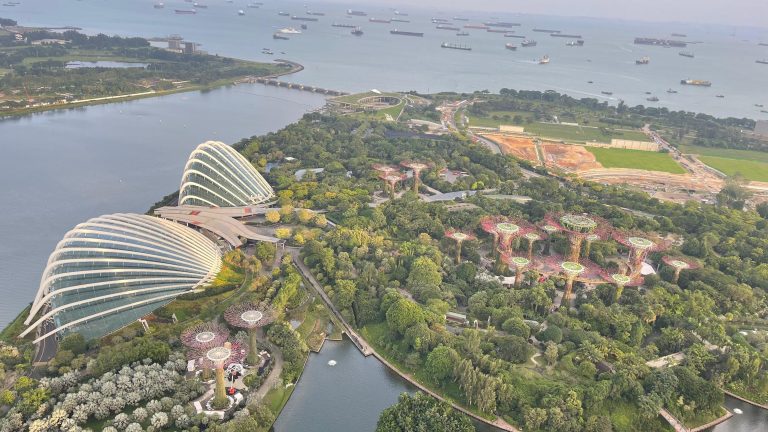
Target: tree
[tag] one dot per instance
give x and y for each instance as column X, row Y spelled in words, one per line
column 440, row 362
column 424, row 275
column 551, row 333
column 283, row 233
column 551, row 353
column 304, row 215
column 535, row 418
column 422, row 413
column 272, row 216
column 74, row 342
column 345, row 293
column 403, row 314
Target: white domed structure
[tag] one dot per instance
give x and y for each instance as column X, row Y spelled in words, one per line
column 216, row 175
column 111, row 270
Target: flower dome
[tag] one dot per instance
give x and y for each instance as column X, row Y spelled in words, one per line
column 114, row 269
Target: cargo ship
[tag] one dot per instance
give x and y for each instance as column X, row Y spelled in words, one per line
column 462, row 33
column 699, row 83
column 356, row 13
column 686, row 54
column 476, row 26
column 514, row 36
column 357, row 31
column 564, row 35
column 763, row 44
column 502, row 24
column 406, row 33
column 280, row 36
column 380, row 20
column 643, row 61
column 298, row 18
column 315, row 13
column 159, row 5
column 343, row 25
column 439, row 20
column 511, row 47
column 460, row 19
column 289, row 30
column 447, row 27
column 491, row 30
column 528, row 43
column 546, row 30
column 763, row 61
column 199, row 6
column 652, row 99
column 607, row 93
column 544, row 60
column 456, row 46
column 398, row 13
column 400, row 20
column 660, row 42
column 579, row 42
column 185, row 11
column 284, row 14
column 679, row 35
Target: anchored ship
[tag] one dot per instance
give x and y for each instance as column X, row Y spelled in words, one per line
column 763, row 61
column 185, row 11
column 528, row 43
column 643, row 61
column 686, row 54
column 660, row 42
column 544, row 60
column 511, row 47
column 356, row 13
column 357, row 31
column 579, row 42
column 455, row 46
column 343, row 25
column 700, row 83
column 406, row 33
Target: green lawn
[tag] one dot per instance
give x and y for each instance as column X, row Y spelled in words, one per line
column 489, row 121
column 750, row 170
column 752, row 165
column 581, row 133
column 636, row 159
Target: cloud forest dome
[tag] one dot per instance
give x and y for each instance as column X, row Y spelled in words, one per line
column 217, row 175
column 113, row 269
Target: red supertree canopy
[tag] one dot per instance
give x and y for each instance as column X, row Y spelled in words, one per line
column 416, row 166
column 584, row 270
column 682, row 263
column 647, row 242
column 505, row 228
column 205, row 336
column 514, row 260
column 385, row 169
column 392, row 177
column 621, row 279
column 223, row 355
column 249, row 315
column 581, row 225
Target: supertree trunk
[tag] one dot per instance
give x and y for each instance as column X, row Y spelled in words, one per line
column 619, row 290
column 530, row 250
column 676, row 278
column 548, row 246
column 458, row 252
column 220, row 396
column 416, row 182
column 567, row 293
column 518, row 277
column 587, row 248
column 638, row 257
column 206, row 373
column 575, row 249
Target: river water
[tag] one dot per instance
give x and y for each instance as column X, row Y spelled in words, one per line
column 61, row 168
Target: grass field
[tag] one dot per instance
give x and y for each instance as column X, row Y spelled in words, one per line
column 488, row 121
column 636, row 159
column 752, row 165
column 581, row 133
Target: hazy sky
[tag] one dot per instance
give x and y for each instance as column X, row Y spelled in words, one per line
column 741, row 12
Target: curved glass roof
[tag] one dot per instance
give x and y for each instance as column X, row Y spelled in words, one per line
column 111, row 270
column 217, row 175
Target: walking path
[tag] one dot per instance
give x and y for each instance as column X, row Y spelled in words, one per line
column 273, row 379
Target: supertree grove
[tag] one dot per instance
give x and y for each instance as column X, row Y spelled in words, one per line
column 417, row 167
column 679, row 264
column 459, row 237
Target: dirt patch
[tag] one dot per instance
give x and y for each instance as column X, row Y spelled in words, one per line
column 569, row 157
column 519, row 147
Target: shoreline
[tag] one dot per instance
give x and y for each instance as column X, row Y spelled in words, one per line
column 294, row 68
column 728, row 414
column 753, row 403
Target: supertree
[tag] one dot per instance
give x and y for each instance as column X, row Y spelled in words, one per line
column 680, row 264
column 460, row 238
column 640, row 246
column 504, row 229
column 392, row 179
column 532, row 237
column 385, row 169
column 578, row 228
column 221, row 357
column 519, row 263
column 251, row 317
column 417, row 168
column 203, row 337
column 549, row 230
column 621, row 281
column 571, row 270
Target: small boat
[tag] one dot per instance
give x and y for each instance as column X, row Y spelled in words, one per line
column 544, row 60
column 720, row 96
column 576, row 43
column 607, row 93
column 643, row 61
column 462, row 33
column 763, row 61
column 185, row 11
column 284, row 14
column 304, row 27
column 279, row 36
column 159, row 5
column 357, row 31
column 528, row 43
column 241, row 12
column 652, row 99
column 268, row 52
column 289, row 30
column 670, row 91
column 686, row 54
column 759, row 105
column 511, row 47
column 199, row 6
column 590, row 82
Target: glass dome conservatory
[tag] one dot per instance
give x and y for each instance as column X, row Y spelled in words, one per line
column 111, row 270
column 217, row 175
